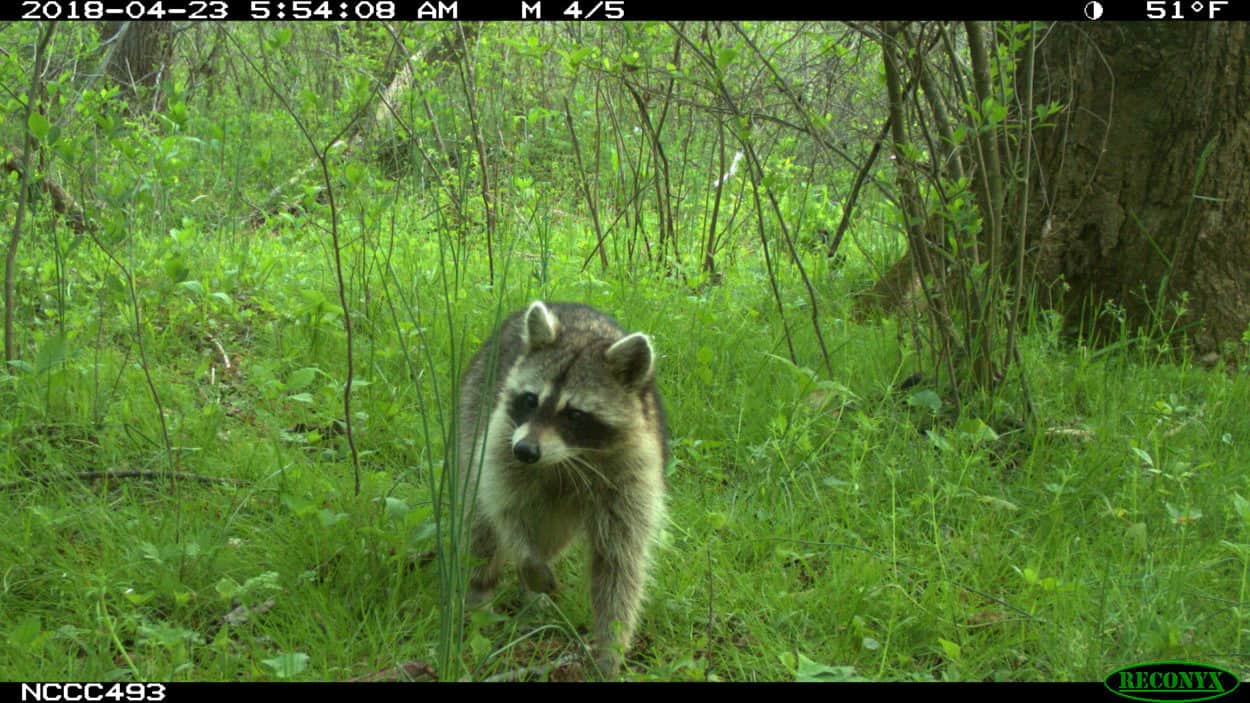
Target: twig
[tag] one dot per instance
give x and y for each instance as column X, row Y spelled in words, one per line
column 414, row 670
column 62, row 201
column 128, row 473
column 243, row 613
column 225, row 358
column 526, row 673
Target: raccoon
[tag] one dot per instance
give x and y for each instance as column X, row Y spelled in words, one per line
column 570, row 439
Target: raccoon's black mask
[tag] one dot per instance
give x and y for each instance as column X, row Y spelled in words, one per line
column 576, row 385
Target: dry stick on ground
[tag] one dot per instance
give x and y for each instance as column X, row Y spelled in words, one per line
column 243, row 613
column 119, row 474
column 414, row 670
column 225, row 358
column 527, row 673
column 62, row 201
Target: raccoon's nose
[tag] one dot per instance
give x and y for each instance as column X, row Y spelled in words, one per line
column 527, row 451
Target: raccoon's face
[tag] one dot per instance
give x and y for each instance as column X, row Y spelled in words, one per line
column 575, row 391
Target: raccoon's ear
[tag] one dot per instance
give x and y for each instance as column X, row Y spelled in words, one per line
column 632, row 359
column 540, row 327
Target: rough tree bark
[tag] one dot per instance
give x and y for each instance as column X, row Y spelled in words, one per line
column 142, row 57
column 1143, row 185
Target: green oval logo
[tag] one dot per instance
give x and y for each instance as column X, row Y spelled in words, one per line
column 1169, row 681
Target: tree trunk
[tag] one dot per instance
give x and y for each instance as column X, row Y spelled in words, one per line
column 142, row 56
column 1143, row 184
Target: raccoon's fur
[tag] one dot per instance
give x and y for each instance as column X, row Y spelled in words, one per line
column 569, row 439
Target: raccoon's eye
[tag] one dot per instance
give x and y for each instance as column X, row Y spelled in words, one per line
column 529, row 401
column 575, row 415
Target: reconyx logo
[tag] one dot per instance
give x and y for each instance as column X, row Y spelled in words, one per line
column 1171, row 681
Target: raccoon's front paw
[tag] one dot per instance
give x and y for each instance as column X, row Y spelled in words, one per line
column 537, row 577
column 609, row 663
column 478, row 595
column 481, row 586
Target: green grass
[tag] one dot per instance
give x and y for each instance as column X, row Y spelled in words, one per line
column 818, row 521
column 825, row 523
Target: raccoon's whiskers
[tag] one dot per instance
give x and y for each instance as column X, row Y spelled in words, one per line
column 580, row 476
column 575, row 473
column 565, row 471
column 589, row 467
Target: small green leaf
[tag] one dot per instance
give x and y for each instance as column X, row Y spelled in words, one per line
column 925, row 399
column 287, row 665
column 280, row 38
column 976, row 430
column 227, row 587
column 425, row 532
column 299, row 505
column 51, row 354
column 1000, row 503
column 480, row 645
column 810, row 672
column 28, row 634
column 952, row 650
column 718, row 520
column 137, row 598
column 396, row 508
column 939, row 441
column 1135, row 536
column 176, row 269
column 330, row 518
column 353, row 172
column 23, row 366
column 301, row 378
column 150, row 551
column 1242, row 506
column 1241, row 550
column 39, row 125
